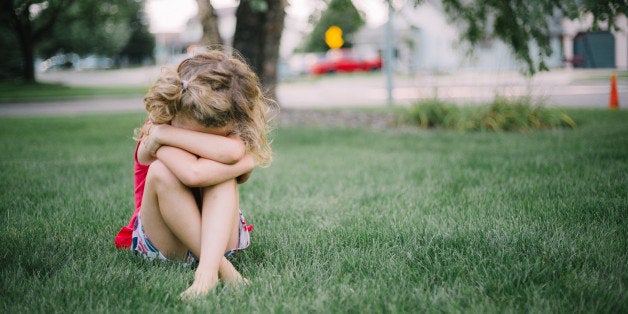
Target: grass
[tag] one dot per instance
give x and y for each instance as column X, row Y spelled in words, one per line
column 19, row 92
column 346, row 220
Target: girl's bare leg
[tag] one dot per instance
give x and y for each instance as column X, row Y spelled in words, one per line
column 169, row 213
column 172, row 221
column 227, row 272
column 219, row 233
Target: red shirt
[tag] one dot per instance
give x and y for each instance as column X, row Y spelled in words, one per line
column 123, row 239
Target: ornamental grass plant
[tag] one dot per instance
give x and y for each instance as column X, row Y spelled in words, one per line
column 502, row 114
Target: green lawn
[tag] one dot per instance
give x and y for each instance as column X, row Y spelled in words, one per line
column 346, row 220
column 17, row 92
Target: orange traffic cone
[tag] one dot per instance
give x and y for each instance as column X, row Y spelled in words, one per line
column 613, row 102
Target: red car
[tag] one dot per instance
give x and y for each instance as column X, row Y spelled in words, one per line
column 344, row 60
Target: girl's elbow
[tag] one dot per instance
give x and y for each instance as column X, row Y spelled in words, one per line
column 143, row 160
column 235, row 154
column 234, row 151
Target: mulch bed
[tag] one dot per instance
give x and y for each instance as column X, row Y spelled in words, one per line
column 336, row 118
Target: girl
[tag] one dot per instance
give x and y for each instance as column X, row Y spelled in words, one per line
column 206, row 131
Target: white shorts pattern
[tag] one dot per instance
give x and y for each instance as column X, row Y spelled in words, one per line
column 141, row 244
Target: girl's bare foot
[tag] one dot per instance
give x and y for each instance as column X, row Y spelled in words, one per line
column 202, row 285
column 230, row 275
column 235, row 279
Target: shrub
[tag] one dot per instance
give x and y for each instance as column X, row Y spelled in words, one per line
column 502, row 114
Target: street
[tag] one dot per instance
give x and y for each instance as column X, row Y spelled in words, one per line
column 559, row 88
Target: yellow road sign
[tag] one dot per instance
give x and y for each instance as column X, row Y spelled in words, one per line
column 333, row 37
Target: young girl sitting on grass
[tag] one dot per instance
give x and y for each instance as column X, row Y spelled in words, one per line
column 206, row 131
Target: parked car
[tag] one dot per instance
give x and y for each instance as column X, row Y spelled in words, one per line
column 59, row 62
column 346, row 60
column 72, row 61
column 92, row 62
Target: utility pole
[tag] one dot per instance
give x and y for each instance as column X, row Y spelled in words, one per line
column 388, row 54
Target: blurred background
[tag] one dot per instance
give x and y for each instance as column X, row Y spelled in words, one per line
column 395, row 51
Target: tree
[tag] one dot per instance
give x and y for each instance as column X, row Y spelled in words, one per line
column 30, row 27
column 259, row 24
column 209, row 22
column 341, row 13
column 10, row 57
column 53, row 26
column 141, row 43
column 520, row 23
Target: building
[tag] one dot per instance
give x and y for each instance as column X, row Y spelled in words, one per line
column 425, row 41
column 591, row 49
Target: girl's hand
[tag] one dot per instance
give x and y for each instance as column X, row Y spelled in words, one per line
column 151, row 139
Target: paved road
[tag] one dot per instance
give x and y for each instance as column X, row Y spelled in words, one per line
column 570, row 88
column 560, row 88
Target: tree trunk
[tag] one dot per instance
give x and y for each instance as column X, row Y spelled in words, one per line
column 18, row 17
column 248, row 37
column 257, row 37
column 19, row 21
column 274, row 28
column 209, row 22
column 28, row 59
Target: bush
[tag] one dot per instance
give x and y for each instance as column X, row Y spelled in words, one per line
column 502, row 114
column 432, row 113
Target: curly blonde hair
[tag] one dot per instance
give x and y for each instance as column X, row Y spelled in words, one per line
column 216, row 90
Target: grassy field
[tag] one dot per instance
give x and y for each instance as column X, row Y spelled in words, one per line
column 18, row 92
column 346, row 220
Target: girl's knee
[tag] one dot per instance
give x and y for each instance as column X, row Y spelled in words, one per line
column 227, row 185
column 160, row 174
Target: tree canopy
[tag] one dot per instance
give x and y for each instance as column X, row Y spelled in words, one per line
column 341, row 13
column 45, row 28
column 141, row 43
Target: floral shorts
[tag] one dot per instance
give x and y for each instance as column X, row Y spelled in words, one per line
column 142, row 245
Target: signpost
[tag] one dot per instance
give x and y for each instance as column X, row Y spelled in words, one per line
column 388, row 54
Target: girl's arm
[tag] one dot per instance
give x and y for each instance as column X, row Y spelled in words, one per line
column 193, row 171
column 223, row 149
